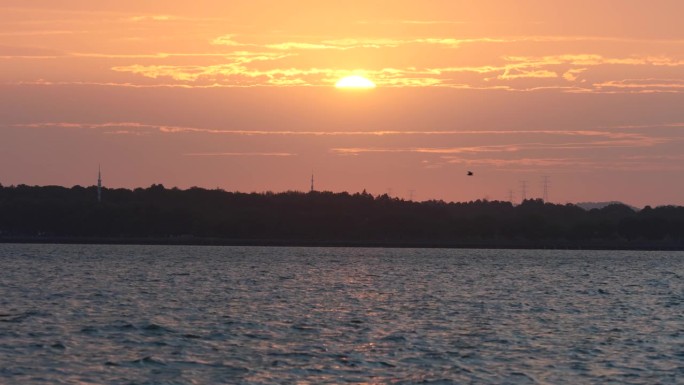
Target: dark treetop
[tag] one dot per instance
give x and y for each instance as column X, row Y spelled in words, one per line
column 160, row 215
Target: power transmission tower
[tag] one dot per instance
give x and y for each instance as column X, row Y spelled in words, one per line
column 510, row 196
column 545, row 182
column 411, row 194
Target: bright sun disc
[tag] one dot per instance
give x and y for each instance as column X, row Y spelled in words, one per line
column 355, row 81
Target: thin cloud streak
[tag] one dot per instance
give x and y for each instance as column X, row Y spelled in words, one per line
column 417, row 22
column 47, row 83
column 517, row 147
column 643, row 84
column 625, row 137
column 646, row 126
column 237, row 154
column 353, row 43
column 166, row 55
column 573, row 165
column 39, row 33
column 28, row 57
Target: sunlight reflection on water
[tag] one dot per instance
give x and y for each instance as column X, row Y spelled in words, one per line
column 249, row 315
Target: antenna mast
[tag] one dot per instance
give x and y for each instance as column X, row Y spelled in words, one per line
column 523, row 190
column 99, row 184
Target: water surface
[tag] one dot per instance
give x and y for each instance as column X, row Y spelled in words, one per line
column 251, row 315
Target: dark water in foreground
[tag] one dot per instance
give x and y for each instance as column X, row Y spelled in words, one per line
column 234, row 315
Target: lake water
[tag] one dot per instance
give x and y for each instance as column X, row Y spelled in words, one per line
column 252, row 315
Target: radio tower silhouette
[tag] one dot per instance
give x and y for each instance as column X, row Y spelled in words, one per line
column 545, row 182
column 523, row 190
column 99, row 184
column 312, row 181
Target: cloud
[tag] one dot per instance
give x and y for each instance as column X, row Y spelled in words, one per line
column 415, row 22
column 618, row 141
column 354, row 43
column 234, row 60
column 238, row 74
column 47, row 83
column 527, row 162
column 593, row 60
column 38, row 33
column 237, row 154
column 515, row 73
column 644, row 85
column 512, row 73
column 227, row 40
column 126, row 132
column 522, row 150
column 425, row 150
column 570, row 164
column 412, row 52
column 12, row 52
column 600, row 136
column 302, row 46
column 572, row 75
column 237, row 69
column 646, row 126
column 138, row 19
column 167, row 55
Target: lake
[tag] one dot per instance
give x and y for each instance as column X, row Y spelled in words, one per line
column 75, row 314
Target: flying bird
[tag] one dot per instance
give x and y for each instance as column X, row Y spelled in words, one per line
column 470, row 173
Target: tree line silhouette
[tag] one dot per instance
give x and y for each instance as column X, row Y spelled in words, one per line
column 181, row 216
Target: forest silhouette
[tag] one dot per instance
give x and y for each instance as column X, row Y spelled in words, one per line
column 196, row 216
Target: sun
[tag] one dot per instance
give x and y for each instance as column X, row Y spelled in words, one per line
column 355, row 81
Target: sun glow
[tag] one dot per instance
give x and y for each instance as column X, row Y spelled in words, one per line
column 355, row 81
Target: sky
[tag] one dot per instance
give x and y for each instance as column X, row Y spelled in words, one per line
column 240, row 95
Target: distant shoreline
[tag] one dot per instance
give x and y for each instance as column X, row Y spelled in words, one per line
column 161, row 216
column 464, row 244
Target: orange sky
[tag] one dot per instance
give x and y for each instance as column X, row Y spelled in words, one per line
column 240, row 95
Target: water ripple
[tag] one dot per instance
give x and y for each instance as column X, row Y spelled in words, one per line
column 195, row 315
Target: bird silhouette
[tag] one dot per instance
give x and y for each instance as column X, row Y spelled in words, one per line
column 470, row 173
